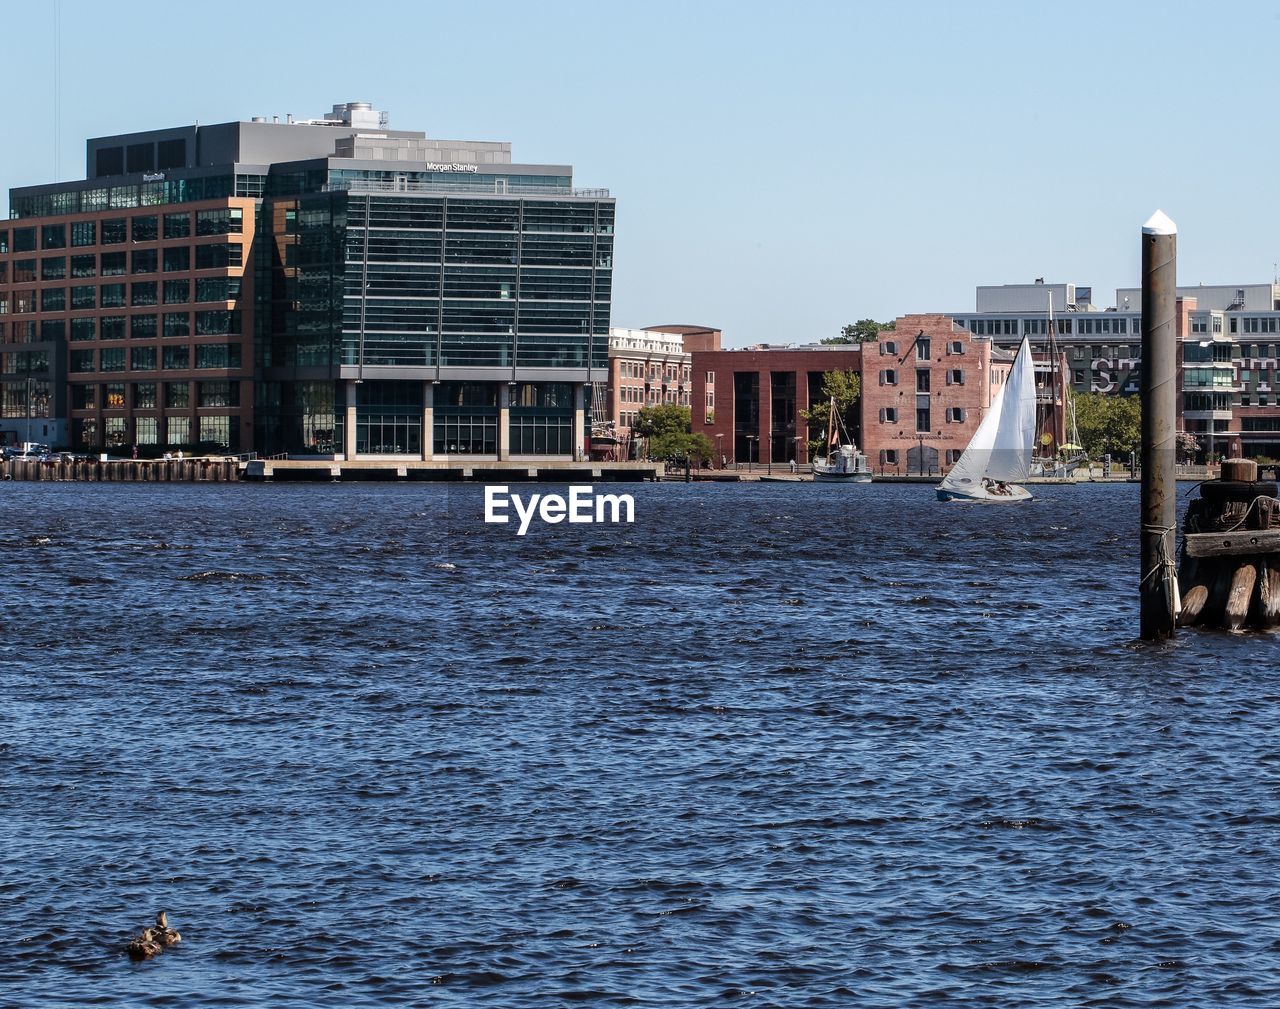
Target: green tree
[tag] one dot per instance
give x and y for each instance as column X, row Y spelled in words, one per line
column 668, row 428
column 676, row 447
column 667, row 418
column 846, row 388
column 862, row 331
column 1108, row 424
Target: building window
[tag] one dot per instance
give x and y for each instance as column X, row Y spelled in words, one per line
column 177, row 225
column 144, row 394
column 888, row 457
column 890, row 348
column 218, row 355
column 144, row 261
column 922, row 380
column 142, row 359
column 53, row 268
column 178, row 431
column 888, row 415
column 113, row 264
column 53, row 299
column 145, row 229
column 177, row 292
column 223, row 221
column 82, row 329
column 24, row 239
column 84, row 297
column 146, row 430
column 83, row 397
column 82, row 360
column 922, row 348
column 955, row 347
column 53, row 236
column 142, row 327
column 176, row 359
column 84, row 266
column 176, row 324
column 218, row 256
column 177, row 395
column 112, row 327
column 955, row 376
column 218, row 394
column 217, row 322
column 177, row 258
column 112, row 359
column 955, row 415
column 889, row 376
column 922, row 418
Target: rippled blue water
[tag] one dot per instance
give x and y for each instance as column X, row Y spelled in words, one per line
column 770, row 746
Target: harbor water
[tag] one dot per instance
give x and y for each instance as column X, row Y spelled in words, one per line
column 771, row 745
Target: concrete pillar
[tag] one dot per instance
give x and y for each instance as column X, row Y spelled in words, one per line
column 504, row 421
column 349, row 431
column 428, row 422
column 579, row 419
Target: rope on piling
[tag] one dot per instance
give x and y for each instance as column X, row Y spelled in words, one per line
column 1164, row 568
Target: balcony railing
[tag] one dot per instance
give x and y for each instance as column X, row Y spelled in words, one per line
column 509, row 189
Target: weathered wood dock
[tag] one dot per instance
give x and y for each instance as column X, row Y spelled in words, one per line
column 197, row 470
column 1229, row 575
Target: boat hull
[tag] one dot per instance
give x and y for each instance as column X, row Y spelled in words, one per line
column 841, row 477
column 981, row 495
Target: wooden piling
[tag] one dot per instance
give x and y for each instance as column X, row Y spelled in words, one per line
column 1156, row 590
column 1230, row 571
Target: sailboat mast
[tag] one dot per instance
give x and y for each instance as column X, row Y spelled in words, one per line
column 831, row 432
column 1053, row 418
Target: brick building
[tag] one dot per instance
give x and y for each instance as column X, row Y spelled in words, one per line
column 759, row 394
column 925, row 388
column 647, row 367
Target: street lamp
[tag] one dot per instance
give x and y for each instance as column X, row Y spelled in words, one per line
column 752, row 439
column 720, row 449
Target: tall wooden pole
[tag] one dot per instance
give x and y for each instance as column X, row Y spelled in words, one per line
column 1158, row 589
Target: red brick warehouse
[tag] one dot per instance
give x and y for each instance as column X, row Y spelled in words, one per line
column 759, row 394
column 925, row 388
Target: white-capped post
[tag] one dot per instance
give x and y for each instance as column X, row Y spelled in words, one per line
column 1158, row 590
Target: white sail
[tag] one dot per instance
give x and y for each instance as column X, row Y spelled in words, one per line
column 1001, row 447
column 970, row 468
column 1011, row 454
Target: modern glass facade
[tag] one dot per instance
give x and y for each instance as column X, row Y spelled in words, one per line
column 329, row 304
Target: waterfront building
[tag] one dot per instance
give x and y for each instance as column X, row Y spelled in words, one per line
column 757, row 395
column 926, row 385
column 327, row 287
column 647, row 367
column 1229, row 351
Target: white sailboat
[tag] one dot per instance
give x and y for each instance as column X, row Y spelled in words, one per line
column 1000, row 450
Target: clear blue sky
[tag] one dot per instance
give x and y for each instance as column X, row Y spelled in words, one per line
column 780, row 169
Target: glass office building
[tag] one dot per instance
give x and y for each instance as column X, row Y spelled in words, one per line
column 381, row 294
